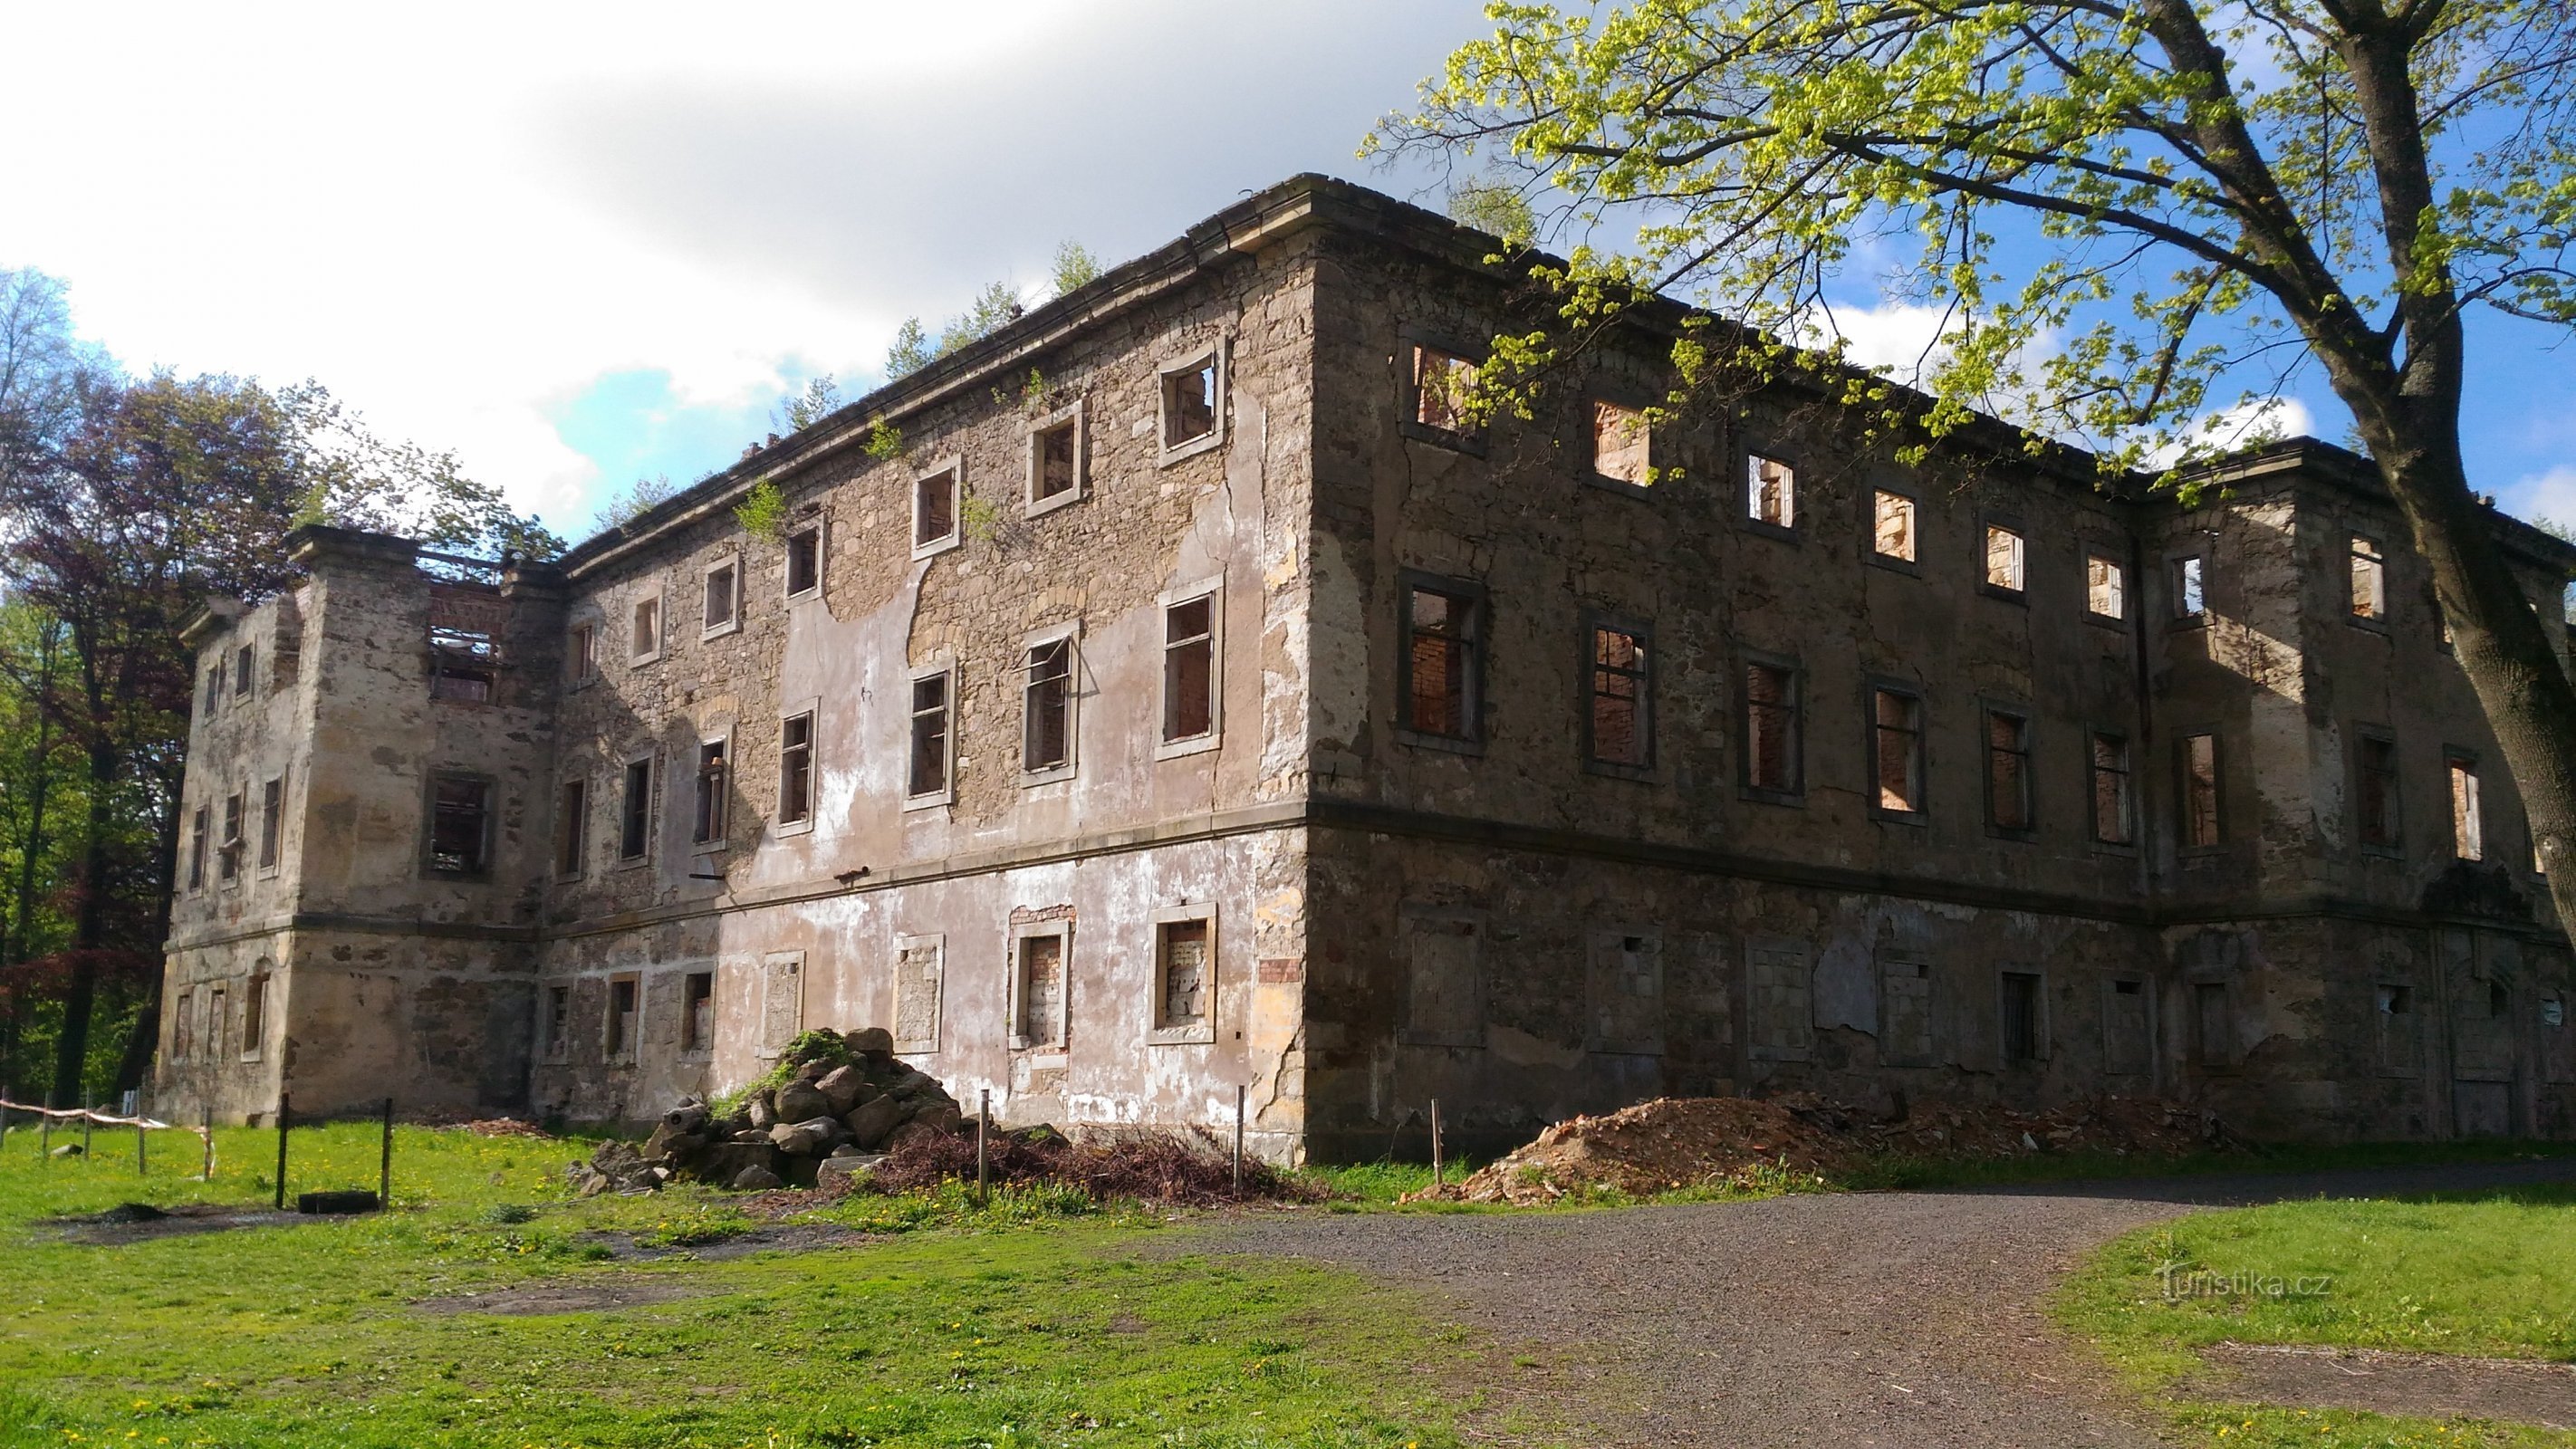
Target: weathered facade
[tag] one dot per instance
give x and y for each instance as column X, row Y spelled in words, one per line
column 1169, row 695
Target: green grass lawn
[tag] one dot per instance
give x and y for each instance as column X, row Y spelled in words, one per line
column 1072, row 1329
column 2487, row 1273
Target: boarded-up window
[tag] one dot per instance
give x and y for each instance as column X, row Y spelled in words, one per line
column 1441, row 666
column 1771, row 728
column 2200, row 822
column 1620, row 723
column 1619, row 443
column 1624, row 993
column 1182, row 979
column 1778, row 1005
column 1905, row 1012
column 1892, row 531
column 1038, row 992
column 782, row 1000
column 2106, row 587
column 1444, row 1002
column 920, row 964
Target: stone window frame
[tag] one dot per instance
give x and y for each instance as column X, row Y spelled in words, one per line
column 1203, row 1031
column 1804, row 1026
column 201, row 843
column 1070, row 634
column 272, row 826
column 795, row 959
column 815, row 520
column 2041, row 1024
column 570, row 840
column 1212, row 589
column 2090, row 548
column 2177, row 560
column 2135, row 824
column 1597, row 934
column 2149, row 1006
column 692, row 1047
column 554, row 1022
column 429, row 820
column 1796, row 795
column 943, row 667
column 2221, row 806
column 954, row 466
column 2394, row 848
column 1049, row 1055
column 2457, row 760
column 1988, row 707
column 582, row 635
column 1480, row 612
column 2403, row 994
column 1216, row 353
column 1632, row 400
column 1869, row 554
column 232, row 846
column 1751, row 448
column 809, row 709
column 1991, row 521
column 183, row 1025
column 2354, row 539
column 722, row 841
column 649, row 594
column 1871, row 686
column 2222, row 1056
column 1076, row 415
column 1884, row 963
column 616, row 1050
column 730, row 559
column 903, row 946
column 246, row 674
column 1592, row 621
column 256, row 1012
column 1412, row 340
column 650, row 758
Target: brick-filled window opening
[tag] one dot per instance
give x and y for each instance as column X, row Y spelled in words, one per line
column 245, row 669
column 180, row 1031
column 1046, row 736
column 707, row 820
column 796, row 769
column 581, row 653
column 2200, row 822
column 199, row 829
column 2468, row 825
column 2114, row 805
column 2189, row 600
column 1619, row 444
column 1896, row 748
column 572, row 827
column 934, row 508
column 1621, row 723
column 1189, row 670
column 2005, row 561
column 219, row 1020
column 272, row 821
column 2021, row 1007
column 1440, row 663
column 460, row 828
column 698, row 1011
column 1189, row 403
column 1055, row 461
column 2369, row 579
column 1443, row 385
column 724, row 589
column 254, row 1014
column 635, row 811
column 2008, row 784
column 1892, row 528
column 928, row 774
column 558, row 1023
column 622, row 996
column 229, row 857
column 2378, row 822
column 804, row 560
column 1770, row 491
column 1771, row 723
column 1040, row 992
column 1184, row 983
column 646, row 636
column 2106, row 587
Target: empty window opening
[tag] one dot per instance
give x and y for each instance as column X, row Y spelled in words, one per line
column 2004, row 561
column 622, row 996
column 1621, row 719
column 2113, row 810
column 2499, row 1000
column 272, row 821
column 184, row 1008
column 1771, row 728
column 2392, row 1001
column 1046, row 736
column 1443, row 386
column 2021, row 1035
column 1189, row 402
column 2369, row 579
column 460, row 825
column 2008, row 784
column 2213, row 1034
column 1619, row 443
column 635, row 811
column 2188, row 600
column 1770, row 491
column 230, row 856
column 1041, row 992
column 558, row 1024
column 2378, row 822
column 464, row 645
column 707, row 821
column 804, row 560
column 2200, row 791
column 934, row 508
column 1892, row 536
column 2125, row 988
column 1181, row 974
column 245, row 668
column 218, row 1020
column 254, row 1014
column 1189, row 670
column 572, row 826
column 2106, row 587
column 647, row 628
column 1896, row 737
column 581, row 652
column 1056, row 462
column 214, row 685
column 723, row 592
column 929, row 771
column 198, row 831
column 796, row 769
column 1441, row 663
column 698, row 1011
column 2468, row 829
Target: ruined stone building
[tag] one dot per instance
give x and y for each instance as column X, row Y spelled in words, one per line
column 1170, row 694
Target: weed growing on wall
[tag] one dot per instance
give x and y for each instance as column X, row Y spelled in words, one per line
column 763, row 512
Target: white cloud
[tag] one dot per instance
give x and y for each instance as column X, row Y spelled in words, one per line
column 2548, row 494
column 2248, row 424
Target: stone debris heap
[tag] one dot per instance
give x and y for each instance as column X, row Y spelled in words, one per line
column 845, row 1102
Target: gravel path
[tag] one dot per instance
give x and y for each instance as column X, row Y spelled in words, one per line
column 1905, row 1320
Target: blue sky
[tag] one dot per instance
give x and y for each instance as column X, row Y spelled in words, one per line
column 582, row 245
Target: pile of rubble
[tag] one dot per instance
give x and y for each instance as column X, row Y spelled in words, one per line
column 845, row 1102
column 1685, row 1142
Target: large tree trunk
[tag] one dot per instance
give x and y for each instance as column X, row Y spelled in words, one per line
column 80, row 995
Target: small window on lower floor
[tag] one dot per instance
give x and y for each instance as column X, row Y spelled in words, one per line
column 558, row 1022
column 1184, row 982
column 698, row 1012
column 255, row 1015
column 1037, row 992
column 2021, row 1025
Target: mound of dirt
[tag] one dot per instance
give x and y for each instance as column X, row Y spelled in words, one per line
column 1181, row 1167
column 1684, row 1142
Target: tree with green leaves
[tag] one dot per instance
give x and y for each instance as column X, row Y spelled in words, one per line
column 2127, row 212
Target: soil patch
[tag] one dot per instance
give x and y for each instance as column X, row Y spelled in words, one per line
column 136, row 1222
column 2429, row 1385
column 566, row 1295
column 775, row 1238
